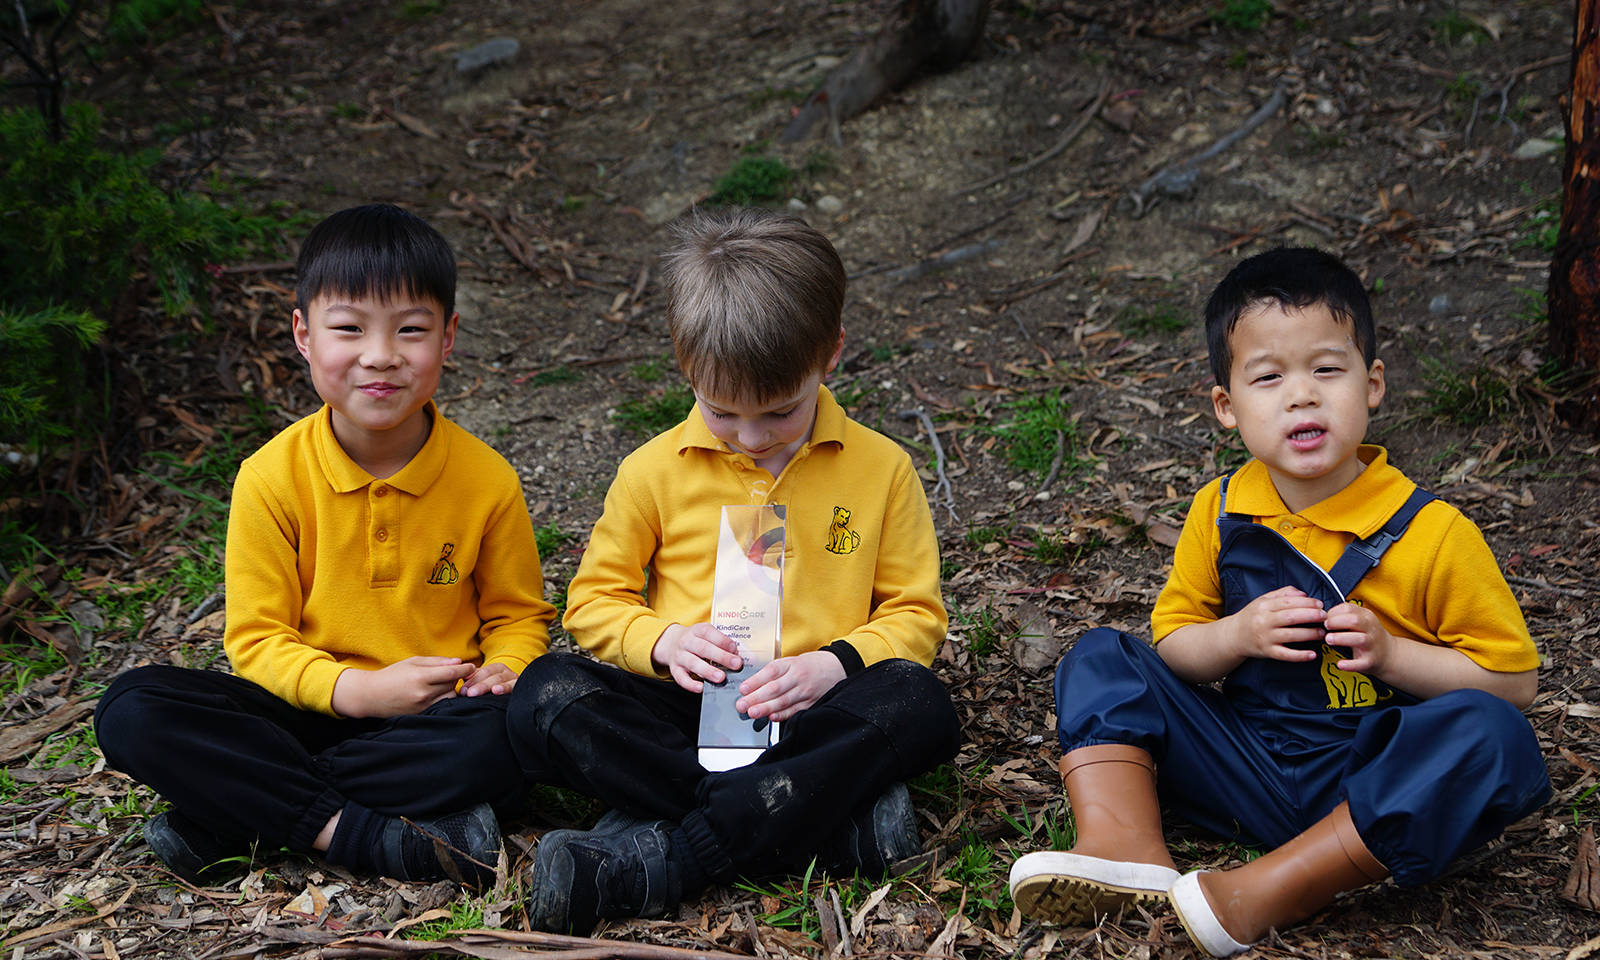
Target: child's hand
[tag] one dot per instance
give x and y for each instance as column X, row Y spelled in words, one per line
column 1354, row 626
column 693, row 653
column 495, row 678
column 788, row 685
column 409, row 686
column 1272, row 621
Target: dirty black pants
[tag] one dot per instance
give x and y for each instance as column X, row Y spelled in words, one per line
column 242, row 762
column 631, row 742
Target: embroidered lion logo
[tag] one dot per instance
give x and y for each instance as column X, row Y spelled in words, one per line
column 841, row 539
column 1345, row 689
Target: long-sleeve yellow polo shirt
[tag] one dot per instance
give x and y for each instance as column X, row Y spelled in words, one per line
column 1439, row 583
column 861, row 560
column 329, row 569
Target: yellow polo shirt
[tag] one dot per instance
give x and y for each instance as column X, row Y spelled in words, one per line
column 861, row 560
column 329, row 569
column 1438, row 583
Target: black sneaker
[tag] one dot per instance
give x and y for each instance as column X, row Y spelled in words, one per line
column 190, row 850
column 877, row 837
column 583, row 876
column 462, row 846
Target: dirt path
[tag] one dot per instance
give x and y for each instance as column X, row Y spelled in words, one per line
column 1408, row 140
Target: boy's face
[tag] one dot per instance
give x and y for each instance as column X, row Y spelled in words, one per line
column 770, row 432
column 1300, row 395
column 375, row 362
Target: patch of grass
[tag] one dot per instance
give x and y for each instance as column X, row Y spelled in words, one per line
column 419, row 9
column 653, row 370
column 1138, row 320
column 550, row 538
column 1464, row 90
column 1237, row 60
column 346, row 110
column 788, row 907
column 557, row 374
column 1453, row 28
column 1247, row 15
column 1471, row 398
column 9, row 787
column 75, row 747
column 852, row 395
column 982, row 629
column 1582, row 798
column 560, row 805
column 653, row 414
column 753, row 180
column 1051, row 548
column 1543, row 225
column 1230, row 453
column 1028, row 437
column 573, row 202
column 979, row 537
column 1534, row 309
column 1319, row 140
column 983, row 875
column 771, row 94
column 464, row 915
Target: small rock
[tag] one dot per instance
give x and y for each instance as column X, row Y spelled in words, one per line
column 1439, row 304
column 829, row 204
column 796, row 204
column 1536, row 147
column 487, row 54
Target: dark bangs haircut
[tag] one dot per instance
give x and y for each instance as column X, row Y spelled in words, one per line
column 1296, row 277
column 377, row 250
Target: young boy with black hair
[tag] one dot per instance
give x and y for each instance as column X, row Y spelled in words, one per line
column 384, row 593
column 1367, row 723
column 754, row 306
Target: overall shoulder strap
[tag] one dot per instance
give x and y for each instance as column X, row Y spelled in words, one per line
column 1222, row 503
column 1362, row 555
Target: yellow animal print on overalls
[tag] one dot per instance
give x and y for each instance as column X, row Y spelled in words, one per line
column 1345, row 689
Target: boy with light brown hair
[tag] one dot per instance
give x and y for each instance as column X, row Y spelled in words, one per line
column 754, row 307
column 1367, row 722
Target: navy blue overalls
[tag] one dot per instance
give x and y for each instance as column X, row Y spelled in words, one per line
column 1281, row 744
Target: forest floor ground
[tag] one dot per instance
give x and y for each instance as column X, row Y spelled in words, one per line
column 1043, row 318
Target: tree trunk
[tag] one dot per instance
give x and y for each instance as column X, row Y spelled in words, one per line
column 932, row 33
column 1574, row 295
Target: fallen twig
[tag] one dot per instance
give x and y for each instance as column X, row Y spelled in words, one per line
column 1055, row 464
column 946, row 259
column 1543, row 585
column 941, row 490
column 1060, row 145
column 1178, row 178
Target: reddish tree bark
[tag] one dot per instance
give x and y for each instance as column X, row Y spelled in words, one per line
column 920, row 33
column 1574, row 294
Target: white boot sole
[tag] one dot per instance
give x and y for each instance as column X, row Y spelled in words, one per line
column 1073, row 889
column 1199, row 920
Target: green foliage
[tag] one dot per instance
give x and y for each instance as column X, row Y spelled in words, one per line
column 818, row 162
column 1319, row 140
column 979, row 537
column 550, row 538
column 1470, row 398
column 42, row 375
column 345, row 110
column 80, row 222
column 556, row 374
column 1051, row 548
column 653, row 414
column 653, row 370
column 754, row 179
column 420, row 9
column 1138, row 320
column 1242, row 14
column 1453, row 27
column 464, row 915
column 1464, row 89
column 1534, row 309
column 1542, row 227
column 139, row 21
column 795, row 910
column 983, row 630
column 1029, row 436
column 976, row 868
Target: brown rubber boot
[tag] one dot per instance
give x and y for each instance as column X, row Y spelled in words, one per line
column 1121, row 855
column 1227, row 911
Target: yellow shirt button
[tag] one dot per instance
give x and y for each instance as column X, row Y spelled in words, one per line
column 381, row 492
column 382, row 534
column 1285, row 526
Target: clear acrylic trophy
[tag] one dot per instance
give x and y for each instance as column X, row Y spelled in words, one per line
column 746, row 598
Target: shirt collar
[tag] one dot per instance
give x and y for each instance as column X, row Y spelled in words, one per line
column 828, row 428
column 344, row 475
column 1361, row 508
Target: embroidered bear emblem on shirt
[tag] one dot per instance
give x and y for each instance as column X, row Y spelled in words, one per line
column 841, row 539
column 444, row 572
column 1345, row 689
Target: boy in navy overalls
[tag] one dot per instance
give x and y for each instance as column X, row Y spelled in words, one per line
column 1372, row 661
